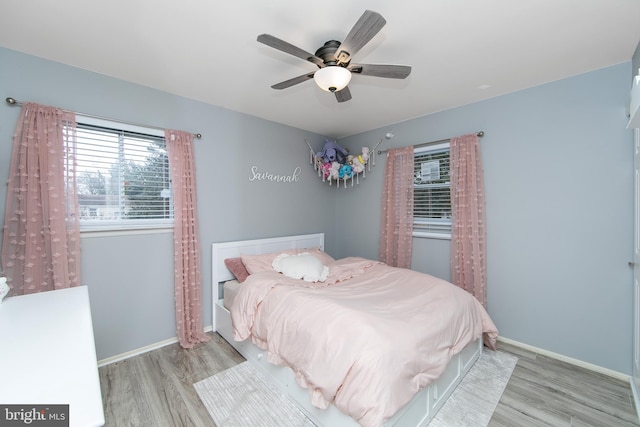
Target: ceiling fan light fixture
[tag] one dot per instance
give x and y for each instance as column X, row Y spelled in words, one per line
column 332, row 78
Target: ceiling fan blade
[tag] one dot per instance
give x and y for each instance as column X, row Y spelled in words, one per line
column 343, row 95
column 286, row 47
column 387, row 71
column 369, row 24
column 294, row 81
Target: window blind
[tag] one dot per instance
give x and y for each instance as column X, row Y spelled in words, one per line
column 432, row 190
column 123, row 177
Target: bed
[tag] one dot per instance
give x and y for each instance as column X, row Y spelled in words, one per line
column 286, row 371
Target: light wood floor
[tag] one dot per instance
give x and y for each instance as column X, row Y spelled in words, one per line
column 156, row 389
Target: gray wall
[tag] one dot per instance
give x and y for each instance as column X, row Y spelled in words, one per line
column 558, row 165
column 130, row 278
column 635, row 62
column 557, row 256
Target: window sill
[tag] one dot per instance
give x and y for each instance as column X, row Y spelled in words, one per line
column 427, row 235
column 93, row 233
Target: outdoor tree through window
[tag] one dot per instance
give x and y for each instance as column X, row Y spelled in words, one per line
column 123, row 176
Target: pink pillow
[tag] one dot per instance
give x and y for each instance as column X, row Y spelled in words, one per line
column 263, row 262
column 324, row 257
column 236, row 267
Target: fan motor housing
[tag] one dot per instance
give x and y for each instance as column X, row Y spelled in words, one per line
column 327, row 53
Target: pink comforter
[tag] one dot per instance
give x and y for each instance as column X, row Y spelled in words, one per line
column 367, row 339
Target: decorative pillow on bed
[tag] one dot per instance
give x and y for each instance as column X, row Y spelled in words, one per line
column 264, row 262
column 301, row 266
column 324, row 257
column 236, row 267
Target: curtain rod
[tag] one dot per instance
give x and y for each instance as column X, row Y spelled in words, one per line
column 479, row 134
column 13, row 101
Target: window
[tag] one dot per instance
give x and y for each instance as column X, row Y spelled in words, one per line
column 123, row 176
column 432, row 192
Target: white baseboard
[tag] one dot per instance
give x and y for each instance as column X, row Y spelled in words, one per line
column 576, row 362
column 142, row 350
column 636, row 396
column 571, row 360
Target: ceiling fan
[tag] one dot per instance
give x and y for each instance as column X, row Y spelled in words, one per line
column 334, row 58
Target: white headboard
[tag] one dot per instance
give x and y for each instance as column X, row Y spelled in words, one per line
column 221, row 251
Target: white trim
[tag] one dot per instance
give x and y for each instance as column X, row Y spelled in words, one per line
column 89, row 225
column 130, row 232
column 571, row 360
column 431, row 235
column 142, row 350
column 636, row 396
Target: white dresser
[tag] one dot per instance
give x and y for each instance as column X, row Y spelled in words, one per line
column 48, row 355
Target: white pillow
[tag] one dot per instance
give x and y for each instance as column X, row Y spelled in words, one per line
column 301, row 266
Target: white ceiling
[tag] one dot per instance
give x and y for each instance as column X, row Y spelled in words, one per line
column 461, row 51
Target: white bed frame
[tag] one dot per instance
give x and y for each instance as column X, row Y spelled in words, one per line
column 418, row 412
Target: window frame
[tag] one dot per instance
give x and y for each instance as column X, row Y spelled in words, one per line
column 93, row 228
column 420, row 225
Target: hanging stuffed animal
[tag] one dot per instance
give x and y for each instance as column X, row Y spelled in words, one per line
column 357, row 163
column 326, row 170
column 365, row 155
column 332, row 152
column 334, row 171
column 345, row 171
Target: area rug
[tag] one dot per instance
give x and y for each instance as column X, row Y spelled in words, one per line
column 472, row 403
column 239, row 397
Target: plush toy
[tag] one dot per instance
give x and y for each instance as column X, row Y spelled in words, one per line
column 4, row 288
column 326, row 170
column 345, row 171
column 365, row 155
column 334, row 172
column 332, row 152
column 357, row 164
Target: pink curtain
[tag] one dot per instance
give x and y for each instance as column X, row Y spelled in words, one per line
column 468, row 229
column 396, row 240
column 188, row 284
column 41, row 240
